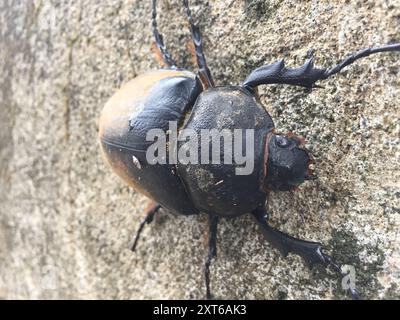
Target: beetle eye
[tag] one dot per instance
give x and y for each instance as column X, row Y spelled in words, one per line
column 282, row 141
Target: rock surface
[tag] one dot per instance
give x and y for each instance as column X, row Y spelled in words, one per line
column 66, row 222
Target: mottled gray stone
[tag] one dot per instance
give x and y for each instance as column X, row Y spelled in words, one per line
column 66, row 222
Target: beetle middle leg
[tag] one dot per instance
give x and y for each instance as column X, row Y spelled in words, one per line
column 311, row 252
column 151, row 211
column 212, row 251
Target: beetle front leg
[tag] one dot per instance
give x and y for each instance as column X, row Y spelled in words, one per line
column 311, row 252
column 151, row 211
column 212, row 251
column 307, row 75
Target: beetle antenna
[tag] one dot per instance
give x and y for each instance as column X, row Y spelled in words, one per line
column 159, row 38
column 204, row 72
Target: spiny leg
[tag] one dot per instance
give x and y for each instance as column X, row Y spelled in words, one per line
column 159, row 38
column 311, row 252
column 212, row 251
column 151, row 211
column 307, row 75
column 204, row 72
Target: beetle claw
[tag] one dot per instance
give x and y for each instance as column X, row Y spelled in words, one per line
column 311, row 252
column 338, row 269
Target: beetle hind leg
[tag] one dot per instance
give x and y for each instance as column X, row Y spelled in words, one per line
column 162, row 54
column 204, row 72
column 150, row 214
column 311, row 252
column 212, row 251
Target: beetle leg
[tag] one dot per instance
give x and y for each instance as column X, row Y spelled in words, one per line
column 212, row 251
column 158, row 55
column 150, row 214
column 167, row 59
column 311, row 252
column 361, row 54
column 306, row 75
column 204, row 72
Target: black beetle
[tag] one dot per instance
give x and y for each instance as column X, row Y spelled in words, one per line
column 281, row 162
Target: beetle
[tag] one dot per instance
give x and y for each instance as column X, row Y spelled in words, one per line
column 281, row 162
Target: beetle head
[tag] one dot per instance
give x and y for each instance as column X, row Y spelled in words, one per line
column 287, row 164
